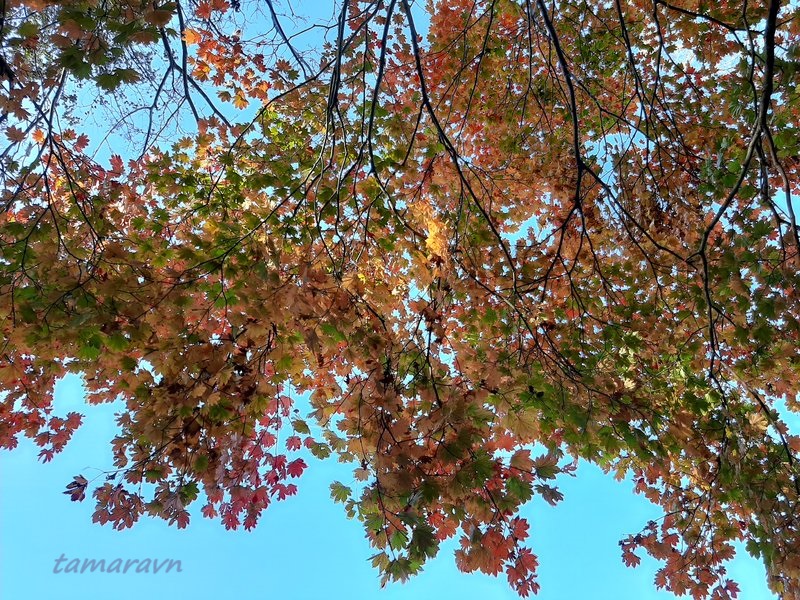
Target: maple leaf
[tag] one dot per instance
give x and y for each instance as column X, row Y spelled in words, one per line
column 250, row 521
column 81, row 142
column 521, row 460
column 296, row 467
column 630, row 559
column 15, row 134
column 732, row 588
column 527, row 560
column 116, row 164
column 181, row 519
column 550, row 494
column 519, row 529
column 230, row 519
column 76, row 489
column 158, row 17
column 203, row 10
column 239, row 100
column 191, row 36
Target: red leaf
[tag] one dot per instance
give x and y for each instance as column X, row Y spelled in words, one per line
column 519, row 529
column 182, row 519
column 732, row 588
column 81, row 142
column 116, row 164
column 203, row 10
column 527, row 560
column 296, row 467
column 630, row 559
column 230, row 520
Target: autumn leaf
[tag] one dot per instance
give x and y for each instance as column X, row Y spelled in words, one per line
column 191, row 36
column 203, row 10
column 81, row 142
column 630, row 559
column 116, row 164
column 296, row 467
column 77, row 488
column 239, row 101
column 15, row 134
column 550, row 494
column 159, row 17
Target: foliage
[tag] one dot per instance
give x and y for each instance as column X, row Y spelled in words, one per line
column 487, row 238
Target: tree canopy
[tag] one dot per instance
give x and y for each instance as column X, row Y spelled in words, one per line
column 484, row 238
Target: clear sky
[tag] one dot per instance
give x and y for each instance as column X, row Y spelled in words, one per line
column 304, row 547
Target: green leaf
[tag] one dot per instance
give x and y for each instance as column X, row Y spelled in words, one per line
column 423, row 542
column 117, row 342
column 398, row 540
column 320, row 450
column 340, row 492
column 128, row 363
column 521, row 490
column 332, row 332
column 153, row 475
column 300, row 426
column 28, row 29
column 201, row 463
column 188, row 492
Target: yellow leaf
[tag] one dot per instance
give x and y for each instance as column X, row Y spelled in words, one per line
column 436, row 241
column 758, row 420
column 239, row 101
column 191, row 36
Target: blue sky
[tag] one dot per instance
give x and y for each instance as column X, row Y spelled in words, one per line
column 303, row 548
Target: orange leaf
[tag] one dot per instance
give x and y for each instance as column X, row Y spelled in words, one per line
column 203, row 10
column 191, row 36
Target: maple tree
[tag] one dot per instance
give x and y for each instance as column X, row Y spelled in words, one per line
column 486, row 239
